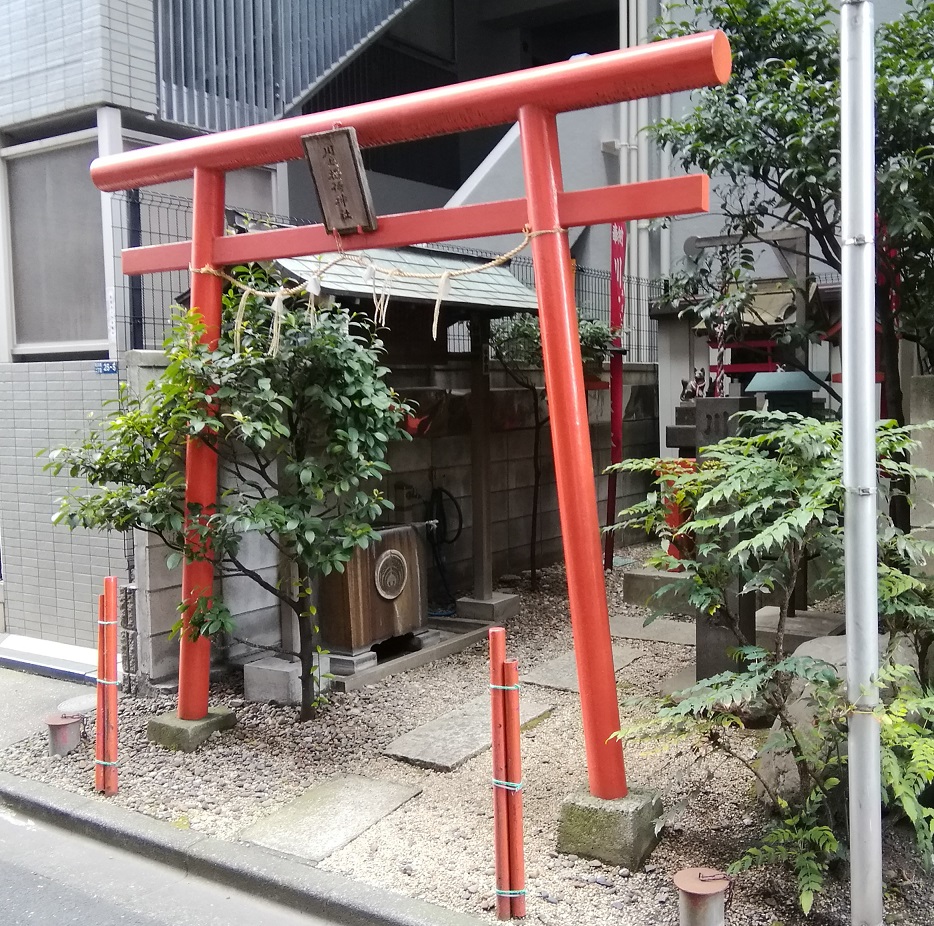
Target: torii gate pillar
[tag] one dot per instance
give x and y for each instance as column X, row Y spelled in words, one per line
column 534, row 97
column 577, row 505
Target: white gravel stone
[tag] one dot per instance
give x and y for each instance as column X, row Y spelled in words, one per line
column 439, row 846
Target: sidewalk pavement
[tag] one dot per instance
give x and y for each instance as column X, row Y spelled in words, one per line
column 26, row 699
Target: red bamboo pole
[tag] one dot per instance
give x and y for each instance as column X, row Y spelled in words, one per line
column 497, row 638
column 101, row 698
column 105, row 766
column 110, row 688
column 514, row 792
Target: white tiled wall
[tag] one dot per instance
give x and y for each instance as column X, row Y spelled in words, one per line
column 51, row 576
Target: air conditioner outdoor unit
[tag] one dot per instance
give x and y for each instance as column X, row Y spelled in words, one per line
column 382, row 593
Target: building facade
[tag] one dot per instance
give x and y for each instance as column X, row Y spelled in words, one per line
column 85, row 78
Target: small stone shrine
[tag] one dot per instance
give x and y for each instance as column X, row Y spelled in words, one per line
column 699, row 422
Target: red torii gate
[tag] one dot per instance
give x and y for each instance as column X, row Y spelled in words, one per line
column 533, row 97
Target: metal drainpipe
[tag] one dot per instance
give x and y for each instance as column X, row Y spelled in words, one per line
column 701, row 896
column 857, row 181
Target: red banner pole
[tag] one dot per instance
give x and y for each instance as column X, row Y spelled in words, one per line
column 577, row 500
column 194, row 662
column 617, row 316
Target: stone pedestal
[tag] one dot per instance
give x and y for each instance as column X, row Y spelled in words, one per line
column 170, row 731
column 618, row 832
column 713, row 417
column 498, row 607
column 352, row 663
column 272, row 679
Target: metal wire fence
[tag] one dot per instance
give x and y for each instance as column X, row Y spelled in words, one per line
column 144, row 305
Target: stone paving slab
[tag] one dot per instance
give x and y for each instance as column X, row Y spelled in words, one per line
column 329, row 815
column 561, row 673
column 661, row 630
column 447, row 742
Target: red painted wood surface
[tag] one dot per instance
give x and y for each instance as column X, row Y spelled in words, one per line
column 679, row 195
column 573, row 456
column 194, row 662
column 650, row 70
column 497, row 638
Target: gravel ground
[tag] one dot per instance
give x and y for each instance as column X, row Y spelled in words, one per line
column 438, row 847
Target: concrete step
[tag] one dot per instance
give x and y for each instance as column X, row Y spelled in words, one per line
column 799, row 628
column 329, row 815
column 447, row 742
column 49, row 658
column 661, row 630
column 561, row 673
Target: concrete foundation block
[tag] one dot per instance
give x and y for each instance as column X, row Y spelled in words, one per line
column 799, row 629
column 500, row 607
column 172, row 732
column 351, row 664
column 640, row 584
column 272, row 679
column 619, row 832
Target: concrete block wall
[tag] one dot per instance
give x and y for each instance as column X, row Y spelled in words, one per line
column 159, row 589
column 51, row 576
column 129, row 54
column 426, row 463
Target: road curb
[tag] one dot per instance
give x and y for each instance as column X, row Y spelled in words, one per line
column 276, row 877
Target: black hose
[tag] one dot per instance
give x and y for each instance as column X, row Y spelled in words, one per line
column 438, row 536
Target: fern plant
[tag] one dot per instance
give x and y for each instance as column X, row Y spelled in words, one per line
column 757, row 505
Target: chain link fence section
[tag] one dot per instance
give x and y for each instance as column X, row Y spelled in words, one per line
column 144, row 305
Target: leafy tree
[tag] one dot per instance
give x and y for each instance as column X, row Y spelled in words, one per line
column 757, row 505
column 295, row 403
column 776, row 489
column 773, row 132
column 516, row 342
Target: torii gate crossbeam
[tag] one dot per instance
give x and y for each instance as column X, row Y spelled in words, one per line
column 533, row 97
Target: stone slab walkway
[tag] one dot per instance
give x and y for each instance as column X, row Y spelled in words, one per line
column 561, row 673
column 661, row 630
column 328, row 816
column 447, row 742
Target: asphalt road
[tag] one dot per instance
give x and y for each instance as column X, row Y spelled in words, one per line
column 50, row 877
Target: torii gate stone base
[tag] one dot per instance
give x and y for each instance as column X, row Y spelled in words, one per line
column 611, row 823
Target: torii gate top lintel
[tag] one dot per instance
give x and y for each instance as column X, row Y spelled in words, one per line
column 610, row 77
column 533, row 97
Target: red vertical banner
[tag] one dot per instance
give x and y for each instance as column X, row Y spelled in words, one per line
column 617, row 317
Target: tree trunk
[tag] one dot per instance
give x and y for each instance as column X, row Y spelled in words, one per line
column 899, row 509
column 307, row 635
column 536, row 486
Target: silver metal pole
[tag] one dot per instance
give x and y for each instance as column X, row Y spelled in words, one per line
column 857, row 143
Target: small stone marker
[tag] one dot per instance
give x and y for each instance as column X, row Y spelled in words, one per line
column 561, row 673
column 329, row 816
column 447, row 742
